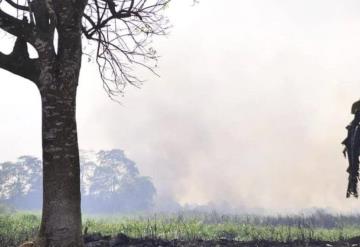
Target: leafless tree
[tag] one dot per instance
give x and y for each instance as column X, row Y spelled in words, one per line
column 119, row 32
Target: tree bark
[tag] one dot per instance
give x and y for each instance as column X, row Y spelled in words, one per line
column 61, row 214
column 58, row 80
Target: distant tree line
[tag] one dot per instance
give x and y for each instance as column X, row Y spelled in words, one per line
column 110, row 184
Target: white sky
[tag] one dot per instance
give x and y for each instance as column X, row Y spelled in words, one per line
column 251, row 106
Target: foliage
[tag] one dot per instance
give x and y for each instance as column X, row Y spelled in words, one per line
column 16, row 228
column 110, row 182
column 189, row 226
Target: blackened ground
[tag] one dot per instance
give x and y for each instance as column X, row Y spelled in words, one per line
column 97, row 240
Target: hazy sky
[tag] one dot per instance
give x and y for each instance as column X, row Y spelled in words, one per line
column 250, row 108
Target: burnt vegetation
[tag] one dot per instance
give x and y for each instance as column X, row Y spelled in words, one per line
column 193, row 228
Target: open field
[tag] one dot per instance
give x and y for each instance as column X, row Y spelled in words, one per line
column 200, row 229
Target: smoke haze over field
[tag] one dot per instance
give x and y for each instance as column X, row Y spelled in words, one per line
column 250, row 108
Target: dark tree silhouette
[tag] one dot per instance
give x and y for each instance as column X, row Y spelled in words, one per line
column 120, row 31
column 352, row 151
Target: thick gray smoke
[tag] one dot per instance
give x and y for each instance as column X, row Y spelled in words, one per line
column 250, row 108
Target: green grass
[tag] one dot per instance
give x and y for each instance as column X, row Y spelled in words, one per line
column 18, row 227
column 172, row 227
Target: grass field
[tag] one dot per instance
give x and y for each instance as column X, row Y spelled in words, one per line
column 18, row 227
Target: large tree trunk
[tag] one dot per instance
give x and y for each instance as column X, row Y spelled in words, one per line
column 61, row 214
column 56, row 74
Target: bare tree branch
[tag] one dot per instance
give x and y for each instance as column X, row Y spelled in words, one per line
column 16, row 27
column 19, row 63
column 122, row 31
column 17, row 6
